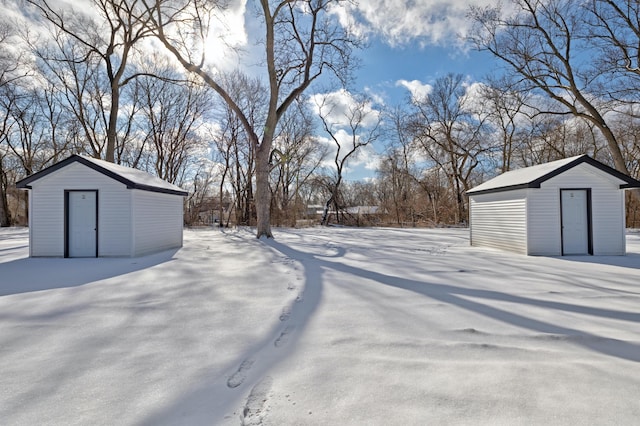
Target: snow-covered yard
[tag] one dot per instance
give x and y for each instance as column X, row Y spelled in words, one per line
column 323, row 326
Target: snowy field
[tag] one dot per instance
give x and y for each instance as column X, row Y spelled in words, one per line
column 323, row 326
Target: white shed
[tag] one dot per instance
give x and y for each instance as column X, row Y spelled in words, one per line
column 571, row 206
column 83, row 207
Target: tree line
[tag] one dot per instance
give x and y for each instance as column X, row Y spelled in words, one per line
column 128, row 81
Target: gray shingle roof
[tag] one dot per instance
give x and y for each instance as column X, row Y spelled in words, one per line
column 532, row 177
column 133, row 178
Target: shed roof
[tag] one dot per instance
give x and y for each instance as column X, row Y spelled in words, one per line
column 532, row 177
column 133, row 178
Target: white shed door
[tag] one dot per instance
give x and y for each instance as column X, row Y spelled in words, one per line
column 575, row 221
column 82, row 225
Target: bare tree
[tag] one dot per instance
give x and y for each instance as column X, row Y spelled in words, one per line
column 30, row 138
column 200, row 189
column 508, row 116
column 10, row 59
column 110, row 40
column 81, row 86
column 544, row 43
column 628, row 131
column 233, row 144
column 614, row 29
column 398, row 170
column 295, row 158
column 434, row 183
column 224, row 140
column 171, row 115
column 451, row 135
column 303, row 40
column 235, row 157
column 5, row 170
column 8, row 67
column 351, row 126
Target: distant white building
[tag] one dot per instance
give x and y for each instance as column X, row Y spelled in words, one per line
column 83, row 207
column 571, row 206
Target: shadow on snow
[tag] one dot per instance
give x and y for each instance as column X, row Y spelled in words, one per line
column 36, row 274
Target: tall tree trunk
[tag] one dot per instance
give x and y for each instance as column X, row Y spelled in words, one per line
column 221, row 199
column 113, row 122
column 5, row 214
column 263, row 193
column 325, row 212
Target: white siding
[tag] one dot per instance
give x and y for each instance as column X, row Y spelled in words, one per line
column 157, row 221
column 47, row 220
column 543, row 221
column 608, row 222
column 498, row 220
column 607, row 212
column 47, row 211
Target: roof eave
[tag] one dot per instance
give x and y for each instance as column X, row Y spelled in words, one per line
column 536, row 183
column 158, row 189
column 630, row 186
column 25, row 183
column 630, row 182
column 500, row 189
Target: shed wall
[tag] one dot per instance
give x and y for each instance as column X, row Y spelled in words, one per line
column 607, row 214
column 499, row 220
column 543, row 221
column 47, row 211
column 157, row 223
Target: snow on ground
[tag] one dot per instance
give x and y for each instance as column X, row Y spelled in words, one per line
column 320, row 326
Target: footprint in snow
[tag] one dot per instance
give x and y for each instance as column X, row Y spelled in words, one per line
column 286, row 313
column 238, row 377
column 284, row 336
column 470, row 331
column 256, row 406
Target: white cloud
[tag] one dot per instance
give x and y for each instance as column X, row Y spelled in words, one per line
column 419, row 90
column 436, row 22
column 227, row 36
column 473, row 97
column 370, row 158
column 376, row 97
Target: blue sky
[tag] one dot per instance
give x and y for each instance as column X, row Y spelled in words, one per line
column 415, row 40
column 384, row 65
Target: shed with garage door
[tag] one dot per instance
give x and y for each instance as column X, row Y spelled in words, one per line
column 84, row 207
column 574, row 206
